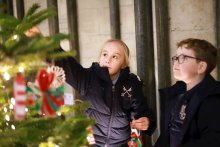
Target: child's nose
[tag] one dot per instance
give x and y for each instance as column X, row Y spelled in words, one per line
column 107, row 60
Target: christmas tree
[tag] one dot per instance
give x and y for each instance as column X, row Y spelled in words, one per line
column 23, row 58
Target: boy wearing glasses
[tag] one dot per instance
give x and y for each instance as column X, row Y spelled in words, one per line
column 190, row 109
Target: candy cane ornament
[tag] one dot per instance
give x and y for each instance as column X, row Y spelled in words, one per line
column 19, row 92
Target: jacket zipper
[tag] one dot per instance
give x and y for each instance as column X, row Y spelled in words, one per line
column 112, row 116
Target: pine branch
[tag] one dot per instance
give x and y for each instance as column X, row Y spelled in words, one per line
column 33, row 19
column 32, row 10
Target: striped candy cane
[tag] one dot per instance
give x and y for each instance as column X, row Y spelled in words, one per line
column 19, row 89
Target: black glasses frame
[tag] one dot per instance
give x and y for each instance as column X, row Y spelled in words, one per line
column 181, row 58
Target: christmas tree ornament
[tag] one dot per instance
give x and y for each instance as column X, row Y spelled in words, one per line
column 90, row 136
column 19, row 92
column 44, row 79
column 136, row 138
column 59, row 76
column 49, row 96
column 19, row 52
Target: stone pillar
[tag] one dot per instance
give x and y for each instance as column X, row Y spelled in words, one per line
column 10, row 7
column 218, row 36
column 72, row 26
column 114, row 19
column 162, row 42
column 145, row 52
column 20, row 9
column 53, row 21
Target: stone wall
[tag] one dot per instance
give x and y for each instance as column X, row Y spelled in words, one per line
column 191, row 18
column 187, row 18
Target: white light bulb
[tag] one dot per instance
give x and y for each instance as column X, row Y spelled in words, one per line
column 13, row 127
column 11, row 106
column 15, row 37
column 7, row 76
column 26, row 109
column 7, row 117
column 58, row 113
column 12, row 101
column 21, row 69
column 5, row 109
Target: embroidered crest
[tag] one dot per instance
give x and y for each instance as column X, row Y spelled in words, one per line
column 126, row 91
column 182, row 113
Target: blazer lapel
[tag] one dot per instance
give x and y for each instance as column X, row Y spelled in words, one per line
column 191, row 110
column 169, row 106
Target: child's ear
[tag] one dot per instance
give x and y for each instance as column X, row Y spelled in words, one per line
column 202, row 67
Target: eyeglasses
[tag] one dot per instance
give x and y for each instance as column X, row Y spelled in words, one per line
column 181, row 58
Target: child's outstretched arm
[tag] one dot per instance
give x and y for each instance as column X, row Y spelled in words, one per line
column 77, row 76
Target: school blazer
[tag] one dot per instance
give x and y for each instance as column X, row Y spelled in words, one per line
column 202, row 123
column 112, row 106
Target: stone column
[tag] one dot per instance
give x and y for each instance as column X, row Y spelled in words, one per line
column 53, row 21
column 145, row 52
column 114, row 19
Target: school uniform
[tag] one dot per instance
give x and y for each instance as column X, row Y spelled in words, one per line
column 112, row 104
column 192, row 118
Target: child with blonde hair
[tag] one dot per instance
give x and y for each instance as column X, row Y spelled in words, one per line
column 115, row 95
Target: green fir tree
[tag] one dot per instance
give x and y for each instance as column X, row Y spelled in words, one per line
column 69, row 128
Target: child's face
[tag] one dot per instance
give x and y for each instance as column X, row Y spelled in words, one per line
column 186, row 71
column 113, row 57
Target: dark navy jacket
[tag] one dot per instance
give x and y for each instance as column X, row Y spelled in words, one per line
column 112, row 106
column 201, row 127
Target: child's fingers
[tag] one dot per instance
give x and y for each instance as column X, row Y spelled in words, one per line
column 141, row 123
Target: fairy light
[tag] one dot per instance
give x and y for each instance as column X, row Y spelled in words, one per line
column 58, row 113
column 15, row 37
column 7, row 76
column 5, row 109
column 11, row 106
column 2, row 86
column 12, row 101
column 26, row 109
column 21, row 69
column 7, row 117
column 13, row 127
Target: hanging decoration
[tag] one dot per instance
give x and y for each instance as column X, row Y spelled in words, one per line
column 49, row 90
column 136, row 138
column 19, row 92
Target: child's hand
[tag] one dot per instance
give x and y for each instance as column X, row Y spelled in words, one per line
column 141, row 123
column 34, row 31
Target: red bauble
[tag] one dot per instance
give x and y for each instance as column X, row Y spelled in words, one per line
column 44, row 79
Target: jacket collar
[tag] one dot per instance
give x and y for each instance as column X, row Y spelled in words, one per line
column 103, row 74
column 208, row 86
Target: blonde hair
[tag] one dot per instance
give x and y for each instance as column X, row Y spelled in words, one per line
column 125, row 47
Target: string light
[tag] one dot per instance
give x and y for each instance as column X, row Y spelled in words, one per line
column 12, row 101
column 13, row 127
column 15, row 37
column 11, row 106
column 5, row 109
column 7, row 76
column 26, row 109
column 7, row 117
column 21, row 69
